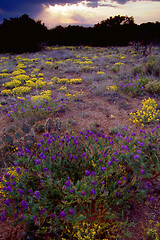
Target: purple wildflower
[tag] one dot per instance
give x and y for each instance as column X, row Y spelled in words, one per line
column 52, row 215
column 68, row 184
column 103, row 169
column 62, row 214
column 34, row 218
column 36, row 193
column 83, row 193
column 21, row 192
column 92, row 191
column 30, row 192
column 18, row 170
column 3, row 216
column 94, row 183
column 109, row 163
column 87, row 173
column 119, row 182
column 24, row 204
column 71, row 211
column 7, row 202
column 152, row 198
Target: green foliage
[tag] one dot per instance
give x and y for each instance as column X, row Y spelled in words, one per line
column 133, row 86
column 153, row 87
column 137, row 70
column 152, row 66
column 72, row 178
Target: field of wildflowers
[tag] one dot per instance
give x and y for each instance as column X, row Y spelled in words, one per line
column 74, row 164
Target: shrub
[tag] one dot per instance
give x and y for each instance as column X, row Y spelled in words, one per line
column 136, row 70
column 70, row 179
column 133, row 86
column 153, row 87
column 147, row 114
column 153, row 66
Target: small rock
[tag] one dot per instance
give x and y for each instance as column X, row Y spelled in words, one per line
column 28, row 145
column 18, row 135
column 17, row 145
column 2, row 165
column 26, row 128
column 49, row 124
column 4, row 130
column 8, row 139
column 32, row 121
column 9, row 158
column 29, row 138
column 40, row 128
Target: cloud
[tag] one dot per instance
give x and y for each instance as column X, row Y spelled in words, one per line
column 28, row 5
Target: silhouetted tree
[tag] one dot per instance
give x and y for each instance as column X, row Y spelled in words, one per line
column 22, row 34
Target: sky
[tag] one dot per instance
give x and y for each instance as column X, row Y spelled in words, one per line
column 80, row 12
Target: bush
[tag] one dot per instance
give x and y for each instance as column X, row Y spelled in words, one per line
column 70, row 179
column 153, row 87
column 136, row 70
column 152, row 67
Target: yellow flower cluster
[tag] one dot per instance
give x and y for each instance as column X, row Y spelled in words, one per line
column 12, row 84
column 49, row 59
column 6, row 92
column 18, row 72
column 63, row 88
column 82, row 62
column 86, row 68
column 4, row 58
column 21, row 77
column 112, row 88
column 94, row 57
column 75, row 80
column 44, row 95
column 66, row 80
column 12, row 172
column 4, row 70
column 21, row 90
column 58, row 62
column 4, row 75
column 40, row 74
column 122, row 57
column 78, row 93
column 152, row 231
column 68, row 95
column 85, row 231
column 49, row 63
column 20, row 65
column 100, row 72
column 27, row 59
column 68, row 60
column 35, row 70
column 148, row 112
column 40, row 83
column 61, row 80
column 30, row 83
column 119, row 64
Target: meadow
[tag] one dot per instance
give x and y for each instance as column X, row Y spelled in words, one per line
column 80, row 144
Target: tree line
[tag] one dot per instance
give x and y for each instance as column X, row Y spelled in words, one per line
column 23, row 34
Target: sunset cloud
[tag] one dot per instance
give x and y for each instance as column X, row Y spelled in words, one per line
column 86, row 12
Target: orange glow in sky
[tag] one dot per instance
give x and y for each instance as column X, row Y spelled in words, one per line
column 82, row 14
